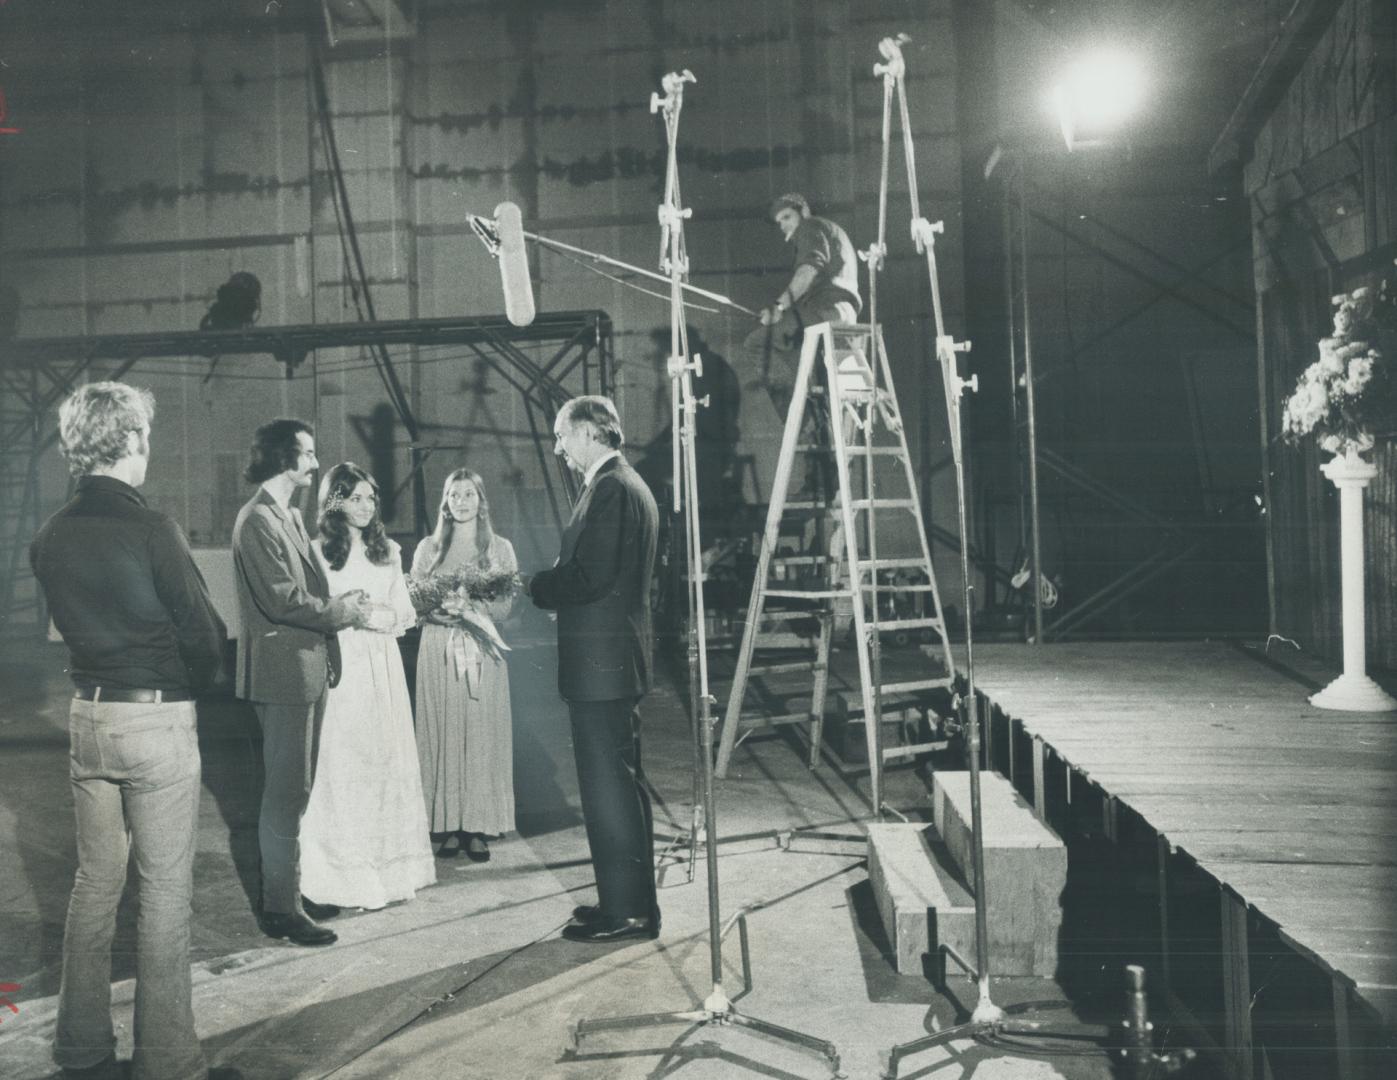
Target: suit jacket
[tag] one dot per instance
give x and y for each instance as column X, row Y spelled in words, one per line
column 600, row 588
column 288, row 651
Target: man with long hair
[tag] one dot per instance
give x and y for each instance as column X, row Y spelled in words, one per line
column 144, row 638
column 600, row 588
column 288, row 658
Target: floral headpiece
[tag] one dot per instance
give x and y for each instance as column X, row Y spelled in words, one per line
column 333, row 503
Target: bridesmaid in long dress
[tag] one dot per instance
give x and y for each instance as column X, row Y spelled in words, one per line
column 362, row 842
column 464, row 737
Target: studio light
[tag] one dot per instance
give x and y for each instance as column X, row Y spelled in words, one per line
column 1095, row 95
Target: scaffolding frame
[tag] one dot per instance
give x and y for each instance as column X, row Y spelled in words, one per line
column 37, row 373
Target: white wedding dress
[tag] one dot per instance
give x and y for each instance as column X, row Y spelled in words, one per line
column 364, row 839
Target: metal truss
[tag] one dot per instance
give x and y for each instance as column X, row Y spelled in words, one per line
column 37, row 373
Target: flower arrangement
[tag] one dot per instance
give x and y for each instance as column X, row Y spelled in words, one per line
column 1347, row 393
column 429, row 591
column 453, row 598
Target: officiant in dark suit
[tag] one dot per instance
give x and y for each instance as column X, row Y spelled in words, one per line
column 288, row 658
column 600, row 589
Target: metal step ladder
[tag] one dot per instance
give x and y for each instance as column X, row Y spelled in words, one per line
column 850, row 403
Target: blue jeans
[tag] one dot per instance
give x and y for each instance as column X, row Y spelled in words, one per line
column 135, row 773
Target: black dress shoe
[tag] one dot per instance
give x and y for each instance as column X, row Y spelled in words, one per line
column 586, row 913
column 319, row 912
column 474, row 847
column 296, row 928
column 606, row 930
column 450, row 847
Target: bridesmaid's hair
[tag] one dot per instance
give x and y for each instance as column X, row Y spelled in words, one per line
column 446, row 524
column 333, row 522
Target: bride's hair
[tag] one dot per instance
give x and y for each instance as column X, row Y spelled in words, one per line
column 333, row 523
column 446, row 524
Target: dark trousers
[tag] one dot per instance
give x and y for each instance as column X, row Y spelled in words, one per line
column 775, row 349
column 615, row 806
column 290, row 735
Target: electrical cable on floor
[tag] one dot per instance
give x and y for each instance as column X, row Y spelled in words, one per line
column 446, row 997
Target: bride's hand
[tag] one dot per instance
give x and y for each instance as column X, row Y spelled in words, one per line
column 382, row 618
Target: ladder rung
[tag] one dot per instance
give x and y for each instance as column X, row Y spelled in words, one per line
column 911, row 563
column 808, row 594
column 786, row 614
column 913, row 750
column 753, row 723
column 877, row 451
column 914, row 686
column 897, row 588
column 777, row 669
column 806, row 506
column 801, row 560
column 904, row 624
column 884, row 504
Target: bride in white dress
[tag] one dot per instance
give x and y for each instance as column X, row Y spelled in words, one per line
column 364, row 834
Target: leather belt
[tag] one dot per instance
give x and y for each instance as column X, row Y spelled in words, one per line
column 124, row 696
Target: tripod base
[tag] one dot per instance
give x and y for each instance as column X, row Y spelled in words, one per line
column 1017, row 1030
column 716, row 1010
column 991, row 1026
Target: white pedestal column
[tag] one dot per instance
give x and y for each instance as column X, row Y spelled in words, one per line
column 1353, row 691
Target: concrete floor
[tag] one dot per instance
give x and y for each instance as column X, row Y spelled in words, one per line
column 471, row 979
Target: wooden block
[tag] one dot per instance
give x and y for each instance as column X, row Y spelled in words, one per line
column 1025, row 869
column 919, row 900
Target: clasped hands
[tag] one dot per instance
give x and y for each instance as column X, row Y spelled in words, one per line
column 361, row 613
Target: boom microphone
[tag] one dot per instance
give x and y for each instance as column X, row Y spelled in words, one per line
column 514, row 265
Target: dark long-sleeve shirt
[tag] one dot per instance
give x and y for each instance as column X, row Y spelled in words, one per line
column 827, row 249
column 124, row 592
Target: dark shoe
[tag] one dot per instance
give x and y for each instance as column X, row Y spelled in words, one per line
column 586, row 914
column 607, row 930
column 106, row 1069
column 225, row 1072
column 319, row 912
column 475, row 847
column 450, row 847
column 296, row 928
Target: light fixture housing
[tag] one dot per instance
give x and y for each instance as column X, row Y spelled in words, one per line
column 1096, row 94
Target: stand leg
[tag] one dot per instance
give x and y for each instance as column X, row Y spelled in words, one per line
column 717, row 1008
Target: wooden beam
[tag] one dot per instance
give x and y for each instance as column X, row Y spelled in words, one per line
column 1298, row 33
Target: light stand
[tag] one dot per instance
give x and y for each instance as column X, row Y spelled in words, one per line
column 717, row 1008
column 988, row 1022
column 893, row 70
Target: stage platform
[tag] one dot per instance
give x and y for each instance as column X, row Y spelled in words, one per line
column 1274, row 867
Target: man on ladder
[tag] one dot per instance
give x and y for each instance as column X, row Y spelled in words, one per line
column 824, row 287
column 830, row 381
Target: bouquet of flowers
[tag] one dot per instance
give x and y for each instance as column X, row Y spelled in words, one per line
column 1348, row 392
column 453, row 599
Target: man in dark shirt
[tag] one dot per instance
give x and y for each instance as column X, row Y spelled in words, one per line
column 144, row 638
column 824, row 287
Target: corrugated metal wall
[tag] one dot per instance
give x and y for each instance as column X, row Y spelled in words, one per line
column 1323, row 183
column 157, row 162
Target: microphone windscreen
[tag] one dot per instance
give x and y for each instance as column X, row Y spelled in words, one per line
column 514, row 265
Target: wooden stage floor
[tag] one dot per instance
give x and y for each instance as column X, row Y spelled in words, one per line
column 1289, row 810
